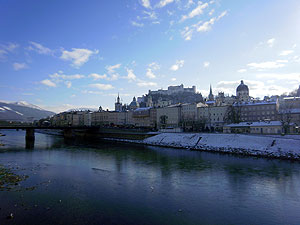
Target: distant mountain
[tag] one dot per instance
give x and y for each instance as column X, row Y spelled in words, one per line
column 22, row 112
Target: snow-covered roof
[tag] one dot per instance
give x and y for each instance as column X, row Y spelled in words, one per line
column 255, row 103
column 142, row 109
column 291, row 98
column 255, row 124
column 296, row 110
column 210, row 102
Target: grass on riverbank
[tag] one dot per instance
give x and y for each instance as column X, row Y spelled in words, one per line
column 8, row 179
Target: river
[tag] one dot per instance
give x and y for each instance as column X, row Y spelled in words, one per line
column 85, row 182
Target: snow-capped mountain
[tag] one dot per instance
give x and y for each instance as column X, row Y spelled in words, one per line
column 22, row 111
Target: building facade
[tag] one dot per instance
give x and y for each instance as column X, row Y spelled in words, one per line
column 257, row 111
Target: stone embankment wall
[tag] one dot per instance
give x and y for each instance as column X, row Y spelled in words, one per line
column 275, row 147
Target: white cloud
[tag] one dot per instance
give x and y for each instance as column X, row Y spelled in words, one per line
column 78, row 56
column 150, row 74
column 267, row 65
column 5, row 49
column 280, row 76
column 136, row 24
column 242, row 71
column 146, row 3
column 286, row 52
column 19, row 66
column 150, row 15
column 195, row 12
column 96, row 76
column 2, row 53
column 189, row 4
column 34, row 46
column 92, row 92
column 152, row 67
column 296, row 58
column 68, row 84
column 177, row 65
column 211, row 12
column 146, row 84
column 66, row 107
column 256, row 88
column 201, row 26
column 113, row 77
column 66, row 77
column 206, row 64
column 173, row 79
column 130, row 75
column 111, row 69
column 206, row 26
column 271, row 42
column 163, row 3
column 102, row 86
column 10, row 47
column 48, row 83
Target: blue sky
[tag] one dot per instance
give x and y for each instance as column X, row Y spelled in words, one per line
column 67, row 54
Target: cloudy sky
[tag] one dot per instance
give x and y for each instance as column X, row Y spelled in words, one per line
column 66, row 54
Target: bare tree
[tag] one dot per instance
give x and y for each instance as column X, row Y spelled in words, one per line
column 285, row 112
column 233, row 114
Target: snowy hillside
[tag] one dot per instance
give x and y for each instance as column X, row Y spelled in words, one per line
column 22, row 112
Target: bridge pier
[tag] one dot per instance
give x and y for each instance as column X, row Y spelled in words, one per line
column 29, row 138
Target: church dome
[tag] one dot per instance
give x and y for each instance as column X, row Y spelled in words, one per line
column 242, row 87
column 134, row 103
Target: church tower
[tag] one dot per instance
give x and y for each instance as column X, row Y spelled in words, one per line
column 210, row 96
column 118, row 104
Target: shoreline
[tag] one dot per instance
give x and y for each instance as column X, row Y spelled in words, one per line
column 237, row 144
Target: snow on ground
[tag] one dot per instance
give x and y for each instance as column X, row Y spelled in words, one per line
column 232, row 143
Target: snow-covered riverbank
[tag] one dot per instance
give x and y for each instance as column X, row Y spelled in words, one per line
column 267, row 146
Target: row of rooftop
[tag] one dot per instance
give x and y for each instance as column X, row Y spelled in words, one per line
column 209, row 115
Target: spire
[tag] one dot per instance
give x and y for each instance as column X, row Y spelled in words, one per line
column 118, row 98
column 210, row 96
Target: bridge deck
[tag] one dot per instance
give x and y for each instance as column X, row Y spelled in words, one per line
column 41, row 127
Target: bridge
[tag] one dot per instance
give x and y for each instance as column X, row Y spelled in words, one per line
column 30, row 131
column 84, row 131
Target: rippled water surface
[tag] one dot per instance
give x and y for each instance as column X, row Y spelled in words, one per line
column 84, row 182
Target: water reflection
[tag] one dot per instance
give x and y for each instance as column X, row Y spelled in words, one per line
column 104, row 182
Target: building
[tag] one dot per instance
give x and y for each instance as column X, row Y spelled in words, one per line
column 210, row 96
column 257, row 111
column 169, row 117
column 174, row 90
column 77, row 118
column 212, row 116
column 262, row 127
column 134, row 104
column 87, row 118
column 144, row 117
column 162, row 103
column 289, row 110
column 118, row 104
column 242, row 92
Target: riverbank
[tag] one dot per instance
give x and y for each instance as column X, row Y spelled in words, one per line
column 263, row 146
